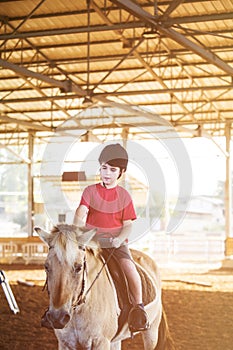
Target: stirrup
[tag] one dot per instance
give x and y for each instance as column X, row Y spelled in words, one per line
column 138, row 320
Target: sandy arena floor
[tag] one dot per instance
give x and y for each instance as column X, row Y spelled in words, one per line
column 199, row 307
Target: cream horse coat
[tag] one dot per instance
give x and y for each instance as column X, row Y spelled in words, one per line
column 83, row 309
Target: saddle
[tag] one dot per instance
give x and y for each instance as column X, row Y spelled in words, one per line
column 128, row 313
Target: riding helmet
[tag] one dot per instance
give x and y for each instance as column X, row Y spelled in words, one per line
column 114, row 155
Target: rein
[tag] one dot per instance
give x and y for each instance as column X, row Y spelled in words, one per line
column 82, row 297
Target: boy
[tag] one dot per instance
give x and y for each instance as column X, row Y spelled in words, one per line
column 108, row 207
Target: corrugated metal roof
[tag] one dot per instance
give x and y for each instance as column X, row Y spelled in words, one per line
column 54, row 53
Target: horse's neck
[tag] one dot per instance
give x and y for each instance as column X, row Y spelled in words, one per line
column 101, row 306
column 94, row 264
column 98, row 279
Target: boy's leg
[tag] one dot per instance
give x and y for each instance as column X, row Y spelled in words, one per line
column 133, row 279
column 138, row 320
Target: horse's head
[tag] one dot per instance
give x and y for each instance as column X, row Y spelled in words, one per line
column 65, row 269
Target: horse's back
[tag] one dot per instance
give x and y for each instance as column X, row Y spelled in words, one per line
column 147, row 263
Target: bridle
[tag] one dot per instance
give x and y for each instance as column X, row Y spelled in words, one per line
column 82, row 296
column 81, row 299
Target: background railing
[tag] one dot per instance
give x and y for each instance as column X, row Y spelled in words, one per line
column 165, row 249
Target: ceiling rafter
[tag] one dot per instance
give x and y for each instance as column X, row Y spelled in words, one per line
column 110, row 41
column 142, row 14
column 157, row 23
column 139, row 57
column 221, row 76
column 39, row 90
column 184, row 75
column 120, row 93
column 108, row 8
column 171, row 7
column 67, row 31
column 24, row 123
column 189, row 121
column 69, row 85
column 100, row 28
column 191, row 78
column 24, row 72
column 137, row 11
column 24, row 20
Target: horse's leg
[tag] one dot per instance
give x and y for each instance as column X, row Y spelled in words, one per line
column 66, row 341
column 158, row 337
column 150, row 337
column 116, row 345
column 61, row 346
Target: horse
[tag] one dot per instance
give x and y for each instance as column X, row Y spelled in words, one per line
column 83, row 303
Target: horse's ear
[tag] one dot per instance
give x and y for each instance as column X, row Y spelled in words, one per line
column 84, row 237
column 44, row 235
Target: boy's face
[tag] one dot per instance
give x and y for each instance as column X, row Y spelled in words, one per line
column 109, row 174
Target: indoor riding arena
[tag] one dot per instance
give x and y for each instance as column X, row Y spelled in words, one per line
column 156, row 78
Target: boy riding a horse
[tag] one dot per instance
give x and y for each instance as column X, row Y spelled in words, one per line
column 108, row 207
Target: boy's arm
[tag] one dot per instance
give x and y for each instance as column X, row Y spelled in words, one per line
column 123, row 235
column 80, row 216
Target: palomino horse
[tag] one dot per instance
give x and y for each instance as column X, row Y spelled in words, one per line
column 83, row 307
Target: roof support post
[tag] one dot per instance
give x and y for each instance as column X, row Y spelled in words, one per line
column 228, row 194
column 125, row 135
column 30, row 186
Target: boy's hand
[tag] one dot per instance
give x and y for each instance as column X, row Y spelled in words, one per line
column 116, row 242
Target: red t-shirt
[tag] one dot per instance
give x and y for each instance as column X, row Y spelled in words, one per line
column 107, row 207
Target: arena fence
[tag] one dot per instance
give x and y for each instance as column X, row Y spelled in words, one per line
column 163, row 248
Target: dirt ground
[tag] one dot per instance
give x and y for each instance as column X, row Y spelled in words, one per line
column 199, row 308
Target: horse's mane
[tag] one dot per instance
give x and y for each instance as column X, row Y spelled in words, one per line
column 64, row 240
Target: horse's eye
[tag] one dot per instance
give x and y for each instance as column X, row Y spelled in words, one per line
column 77, row 268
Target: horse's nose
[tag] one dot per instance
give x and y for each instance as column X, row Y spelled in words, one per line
column 45, row 321
column 58, row 319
